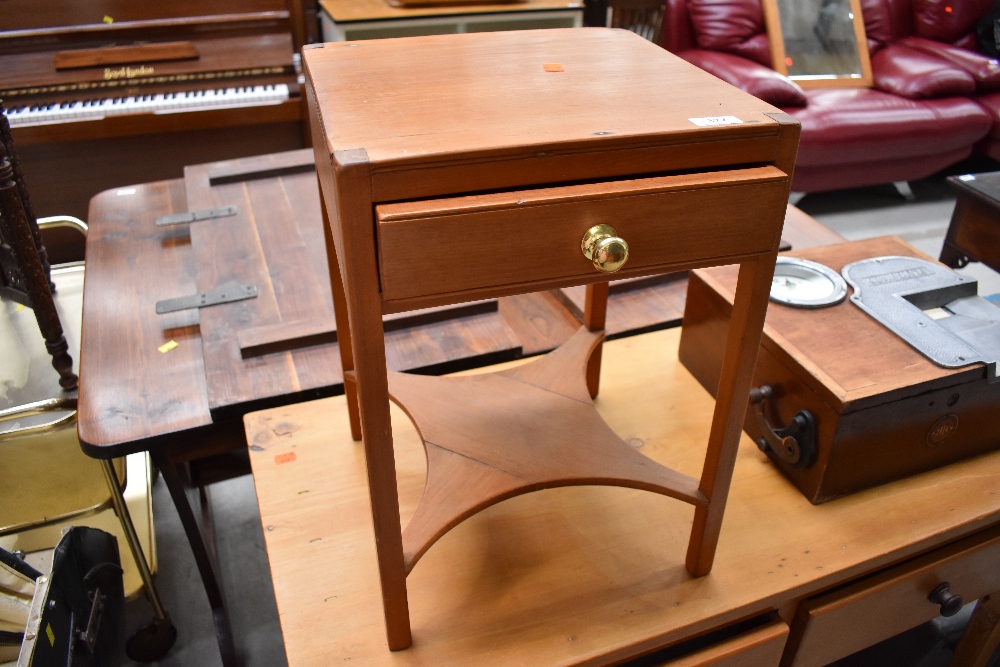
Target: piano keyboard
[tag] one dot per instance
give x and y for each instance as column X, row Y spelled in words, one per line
column 160, row 103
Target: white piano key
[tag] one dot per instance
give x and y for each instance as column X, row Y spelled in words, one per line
column 159, row 103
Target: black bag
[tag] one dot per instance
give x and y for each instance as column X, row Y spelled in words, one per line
column 81, row 603
column 988, row 31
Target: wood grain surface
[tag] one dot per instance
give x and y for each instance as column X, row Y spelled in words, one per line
column 544, row 127
column 840, row 623
column 124, row 55
column 493, row 436
column 276, row 243
column 129, row 390
column 457, row 246
column 262, row 245
column 580, row 575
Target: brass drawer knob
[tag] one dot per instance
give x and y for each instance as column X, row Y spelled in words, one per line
column 604, row 248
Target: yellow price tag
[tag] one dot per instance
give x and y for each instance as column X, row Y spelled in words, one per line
column 108, row 19
column 169, row 345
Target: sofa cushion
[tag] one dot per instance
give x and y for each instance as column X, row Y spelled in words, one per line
column 858, row 125
column 991, row 103
column 947, row 20
column 885, row 22
column 914, row 74
column 985, row 70
column 751, row 77
column 733, row 26
column 678, row 34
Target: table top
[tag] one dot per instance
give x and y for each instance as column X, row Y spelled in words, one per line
column 135, row 396
column 985, row 186
column 582, row 574
column 515, row 93
column 375, row 10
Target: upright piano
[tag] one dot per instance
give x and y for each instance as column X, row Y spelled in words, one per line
column 106, row 93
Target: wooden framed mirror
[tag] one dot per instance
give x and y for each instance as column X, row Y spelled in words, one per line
column 819, row 43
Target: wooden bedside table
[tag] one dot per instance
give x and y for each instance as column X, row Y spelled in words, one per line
column 461, row 167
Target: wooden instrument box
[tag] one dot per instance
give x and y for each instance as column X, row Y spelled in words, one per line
column 882, row 411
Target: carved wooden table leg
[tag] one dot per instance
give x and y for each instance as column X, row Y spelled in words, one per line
column 36, row 282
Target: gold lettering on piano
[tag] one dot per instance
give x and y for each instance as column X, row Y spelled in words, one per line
column 126, row 72
column 172, row 78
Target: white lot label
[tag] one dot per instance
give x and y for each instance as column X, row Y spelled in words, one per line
column 716, row 120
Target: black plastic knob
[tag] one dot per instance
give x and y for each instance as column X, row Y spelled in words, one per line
column 950, row 604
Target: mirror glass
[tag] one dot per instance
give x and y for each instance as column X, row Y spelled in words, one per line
column 819, row 42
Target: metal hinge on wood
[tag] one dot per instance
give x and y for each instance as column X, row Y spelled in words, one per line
column 195, row 216
column 212, row 298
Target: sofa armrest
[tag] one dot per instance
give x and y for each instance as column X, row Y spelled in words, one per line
column 914, row 74
column 748, row 76
column 985, row 70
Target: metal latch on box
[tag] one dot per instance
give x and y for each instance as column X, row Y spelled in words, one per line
column 212, row 298
column 195, row 216
column 932, row 308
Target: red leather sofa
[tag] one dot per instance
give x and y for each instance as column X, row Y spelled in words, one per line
column 921, row 116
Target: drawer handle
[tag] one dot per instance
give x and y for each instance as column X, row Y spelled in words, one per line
column 942, row 595
column 794, row 444
column 604, row 248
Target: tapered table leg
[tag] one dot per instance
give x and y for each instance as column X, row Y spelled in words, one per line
column 742, row 343
column 223, row 632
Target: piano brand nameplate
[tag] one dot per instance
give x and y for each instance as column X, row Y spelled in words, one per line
column 125, row 55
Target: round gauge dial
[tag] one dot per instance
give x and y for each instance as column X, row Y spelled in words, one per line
column 804, row 284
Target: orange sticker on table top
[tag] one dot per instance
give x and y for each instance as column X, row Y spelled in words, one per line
column 287, row 457
column 553, row 67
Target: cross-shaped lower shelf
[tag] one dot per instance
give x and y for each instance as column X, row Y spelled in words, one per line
column 494, row 436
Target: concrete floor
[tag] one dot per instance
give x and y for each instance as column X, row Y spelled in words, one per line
column 245, row 574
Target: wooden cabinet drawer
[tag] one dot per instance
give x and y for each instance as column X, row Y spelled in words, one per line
column 760, row 647
column 530, row 239
column 842, row 622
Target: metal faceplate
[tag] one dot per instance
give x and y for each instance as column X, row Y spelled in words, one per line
column 801, row 283
column 934, row 309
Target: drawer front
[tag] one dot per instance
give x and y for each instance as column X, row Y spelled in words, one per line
column 761, row 647
column 531, row 238
column 843, row 622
